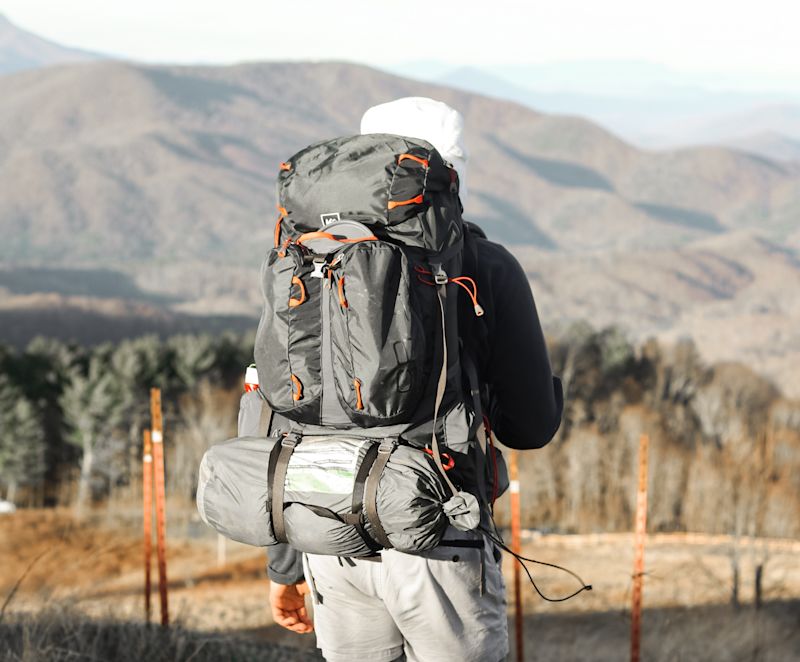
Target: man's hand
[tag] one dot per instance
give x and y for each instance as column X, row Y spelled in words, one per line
column 289, row 606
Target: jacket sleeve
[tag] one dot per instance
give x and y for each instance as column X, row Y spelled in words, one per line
column 284, row 564
column 526, row 400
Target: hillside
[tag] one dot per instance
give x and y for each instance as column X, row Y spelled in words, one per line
column 20, row 50
column 772, row 144
column 165, row 175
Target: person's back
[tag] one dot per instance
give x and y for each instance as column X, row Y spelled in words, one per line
column 447, row 603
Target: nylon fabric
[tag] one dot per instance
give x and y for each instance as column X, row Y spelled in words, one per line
column 288, row 339
column 378, row 337
column 234, row 494
column 355, row 177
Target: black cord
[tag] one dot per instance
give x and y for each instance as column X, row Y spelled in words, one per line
column 521, row 560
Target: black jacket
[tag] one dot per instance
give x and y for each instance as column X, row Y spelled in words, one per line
column 525, row 399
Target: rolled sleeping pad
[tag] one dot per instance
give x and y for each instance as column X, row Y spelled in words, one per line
column 233, row 495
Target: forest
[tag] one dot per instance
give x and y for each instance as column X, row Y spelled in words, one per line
column 725, row 444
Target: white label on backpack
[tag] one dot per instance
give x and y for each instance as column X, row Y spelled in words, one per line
column 324, row 466
column 330, row 217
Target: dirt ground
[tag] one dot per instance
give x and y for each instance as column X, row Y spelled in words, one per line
column 95, row 566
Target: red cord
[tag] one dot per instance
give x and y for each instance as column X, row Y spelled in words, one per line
column 450, row 461
column 459, row 280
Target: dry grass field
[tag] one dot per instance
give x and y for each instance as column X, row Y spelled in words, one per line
column 82, row 596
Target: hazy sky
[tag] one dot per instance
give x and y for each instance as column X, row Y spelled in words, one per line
column 727, row 36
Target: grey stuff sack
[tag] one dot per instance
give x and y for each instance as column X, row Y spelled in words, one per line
column 234, row 495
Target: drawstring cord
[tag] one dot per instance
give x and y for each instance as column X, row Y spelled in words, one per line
column 471, row 289
column 521, row 560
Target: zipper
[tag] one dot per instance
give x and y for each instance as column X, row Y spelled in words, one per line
column 331, row 411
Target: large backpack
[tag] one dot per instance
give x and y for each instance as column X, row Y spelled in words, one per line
column 359, row 359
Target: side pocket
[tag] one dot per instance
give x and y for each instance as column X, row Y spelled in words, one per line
column 287, row 347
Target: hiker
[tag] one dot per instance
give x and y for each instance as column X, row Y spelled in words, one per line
column 443, row 604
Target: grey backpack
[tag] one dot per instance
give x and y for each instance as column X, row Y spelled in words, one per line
column 372, row 443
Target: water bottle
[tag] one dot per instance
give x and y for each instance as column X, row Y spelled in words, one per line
column 251, row 405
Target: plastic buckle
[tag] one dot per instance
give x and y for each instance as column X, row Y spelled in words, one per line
column 439, row 274
column 386, row 446
column 319, row 268
column 290, row 440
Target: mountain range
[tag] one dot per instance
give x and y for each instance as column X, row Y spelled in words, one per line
column 20, row 50
column 147, row 192
column 646, row 104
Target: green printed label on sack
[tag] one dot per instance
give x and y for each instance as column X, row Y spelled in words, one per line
column 326, row 466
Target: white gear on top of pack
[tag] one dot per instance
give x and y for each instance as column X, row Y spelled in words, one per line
column 424, row 119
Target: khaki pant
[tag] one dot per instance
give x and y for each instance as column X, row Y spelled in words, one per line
column 429, row 607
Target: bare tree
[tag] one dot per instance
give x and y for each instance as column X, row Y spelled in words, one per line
column 93, row 409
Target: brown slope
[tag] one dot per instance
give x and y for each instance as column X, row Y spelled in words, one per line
column 114, row 161
column 166, row 174
column 736, row 295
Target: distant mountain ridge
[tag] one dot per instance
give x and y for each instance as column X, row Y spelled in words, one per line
column 166, row 175
column 666, row 113
column 20, row 50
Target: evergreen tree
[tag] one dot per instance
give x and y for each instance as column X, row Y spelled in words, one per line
column 22, row 457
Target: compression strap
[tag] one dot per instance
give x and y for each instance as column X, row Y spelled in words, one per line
column 371, row 492
column 276, row 476
column 441, row 294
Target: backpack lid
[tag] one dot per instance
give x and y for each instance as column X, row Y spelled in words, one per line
column 400, row 188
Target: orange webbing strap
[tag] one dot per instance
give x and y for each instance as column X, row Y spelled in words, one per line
column 359, row 401
column 293, row 303
column 400, row 203
column 297, row 393
column 372, row 237
column 418, row 159
column 441, row 294
column 342, row 300
column 318, row 234
column 315, row 235
column 283, row 213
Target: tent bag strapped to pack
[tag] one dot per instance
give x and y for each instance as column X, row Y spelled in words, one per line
column 343, row 495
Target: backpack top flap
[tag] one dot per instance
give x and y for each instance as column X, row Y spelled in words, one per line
column 401, row 188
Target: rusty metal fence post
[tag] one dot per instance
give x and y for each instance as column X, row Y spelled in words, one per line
column 638, row 557
column 147, row 512
column 161, row 515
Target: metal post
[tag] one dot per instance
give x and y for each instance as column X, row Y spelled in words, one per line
column 515, row 546
column 638, row 559
column 147, row 505
column 161, row 515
